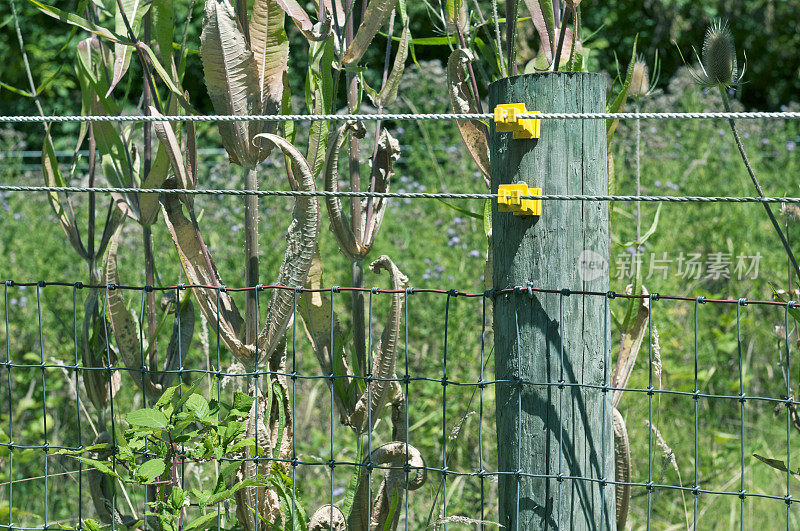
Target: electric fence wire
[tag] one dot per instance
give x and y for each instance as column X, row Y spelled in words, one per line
column 752, row 115
column 400, row 195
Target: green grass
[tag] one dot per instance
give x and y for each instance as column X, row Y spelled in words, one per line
column 439, row 247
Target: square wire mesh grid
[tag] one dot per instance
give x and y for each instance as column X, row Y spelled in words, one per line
column 46, row 491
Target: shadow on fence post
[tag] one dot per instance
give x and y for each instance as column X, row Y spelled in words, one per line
column 544, row 429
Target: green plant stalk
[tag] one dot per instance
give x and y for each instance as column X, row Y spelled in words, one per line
column 561, row 36
column 147, row 233
column 511, row 35
column 473, row 81
column 499, row 41
column 753, row 177
column 150, row 280
column 638, row 172
column 251, row 255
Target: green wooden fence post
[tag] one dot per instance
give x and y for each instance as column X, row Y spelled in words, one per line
column 553, row 429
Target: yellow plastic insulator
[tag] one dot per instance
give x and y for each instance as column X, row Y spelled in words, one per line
column 506, row 120
column 509, row 199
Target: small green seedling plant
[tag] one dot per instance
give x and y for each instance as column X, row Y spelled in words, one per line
column 182, row 427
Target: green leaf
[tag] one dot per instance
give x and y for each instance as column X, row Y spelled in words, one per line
column 352, row 486
column 204, row 522
column 232, row 430
column 151, row 470
column 777, row 464
column 242, row 401
column 92, row 448
column 101, row 466
column 163, row 15
column 167, row 78
column 91, row 525
column 619, row 101
column 198, row 405
column 80, row 22
column 176, row 498
column 186, row 395
column 166, row 396
column 147, row 418
column 649, row 232
column 434, row 41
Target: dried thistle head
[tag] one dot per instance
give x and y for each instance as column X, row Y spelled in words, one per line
column 640, row 79
column 790, row 211
column 718, row 65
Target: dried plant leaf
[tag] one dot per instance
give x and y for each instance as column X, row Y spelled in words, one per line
column 395, row 455
column 321, row 519
column 474, row 132
column 376, row 395
column 271, row 51
column 544, row 21
column 134, row 12
column 217, row 306
column 320, row 326
column 301, row 243
column 166, row 135
column 124, row 327
column 95, row 353
column 232, row 79
column 622, row 468
column 388, row 93
column 53, row 177
column 629, row 350
column 181, row 340
column 382, row 171
column 340, row 224
column 376, row 15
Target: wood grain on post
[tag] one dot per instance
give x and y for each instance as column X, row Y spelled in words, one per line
column 545, row 429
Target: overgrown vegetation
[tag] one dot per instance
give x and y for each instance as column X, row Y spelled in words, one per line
column 448, row 250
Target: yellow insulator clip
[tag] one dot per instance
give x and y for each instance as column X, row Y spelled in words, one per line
column 509, row 199
column 506, row 120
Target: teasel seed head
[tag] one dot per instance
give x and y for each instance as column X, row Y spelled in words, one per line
column 719, row 54
column 718, row 65
column 791, row 211
column 640, row 79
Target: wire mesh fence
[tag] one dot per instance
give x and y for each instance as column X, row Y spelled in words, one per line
column 456, row 484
